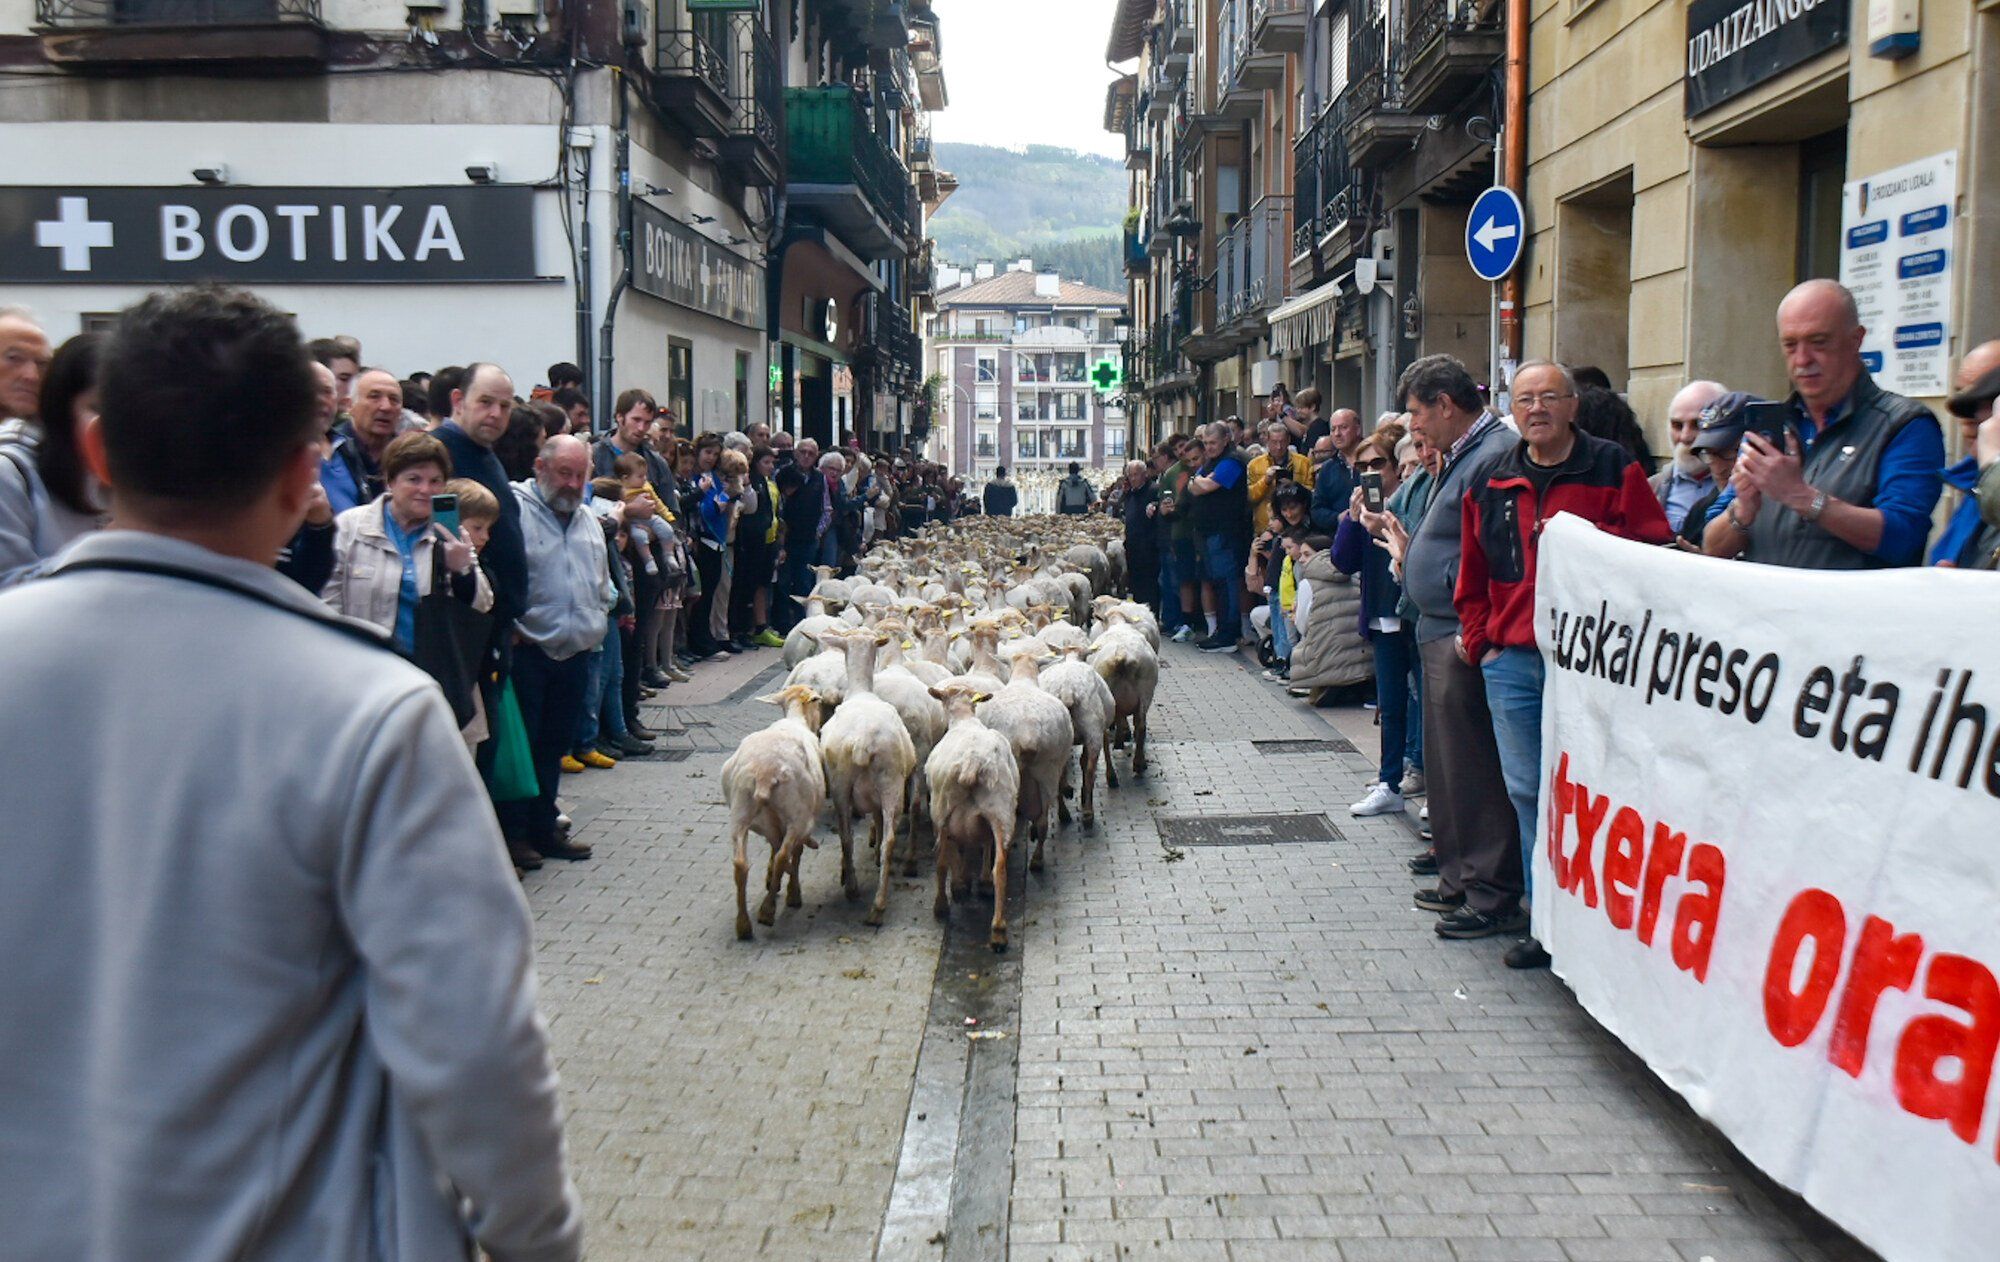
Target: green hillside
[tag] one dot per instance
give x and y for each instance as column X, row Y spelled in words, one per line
column 1059, row 207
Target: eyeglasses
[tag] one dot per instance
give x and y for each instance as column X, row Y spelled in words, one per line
column 1377, row 463
column 1547, row 398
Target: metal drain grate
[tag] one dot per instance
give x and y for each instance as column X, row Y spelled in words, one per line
column 1244, row 830
column 1330, row 745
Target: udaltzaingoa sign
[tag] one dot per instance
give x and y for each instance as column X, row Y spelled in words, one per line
column 1769, row 858
column 1734, row 45
column 673, row 262
column 265, row 235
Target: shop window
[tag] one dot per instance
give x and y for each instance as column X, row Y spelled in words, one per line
column 742, row 390
column 680, row 382
column 1593, row 307
column 1822, row 174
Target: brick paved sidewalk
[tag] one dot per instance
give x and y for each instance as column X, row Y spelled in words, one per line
column 1254, row 1051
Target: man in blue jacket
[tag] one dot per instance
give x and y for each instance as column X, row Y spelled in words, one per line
column 1965, row 538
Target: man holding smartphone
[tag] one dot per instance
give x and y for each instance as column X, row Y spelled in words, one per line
column 1853, row 487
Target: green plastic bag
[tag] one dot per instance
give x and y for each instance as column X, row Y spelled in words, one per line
column 513, row 762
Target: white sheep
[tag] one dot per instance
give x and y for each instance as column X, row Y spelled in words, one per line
column 1132, row 669
column 802, row 641
column 869, row 761
column 773, row 785
column 1111, row 611
column 1087, row 697
column 975, row 790
column 1037, row 727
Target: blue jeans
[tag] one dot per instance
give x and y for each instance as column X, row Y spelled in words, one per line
column 1413, row 755
column 1514, row 695
column 603, row 712
column 1395, row 654
column 1281, row 635
column 1222, row 570
column 1171, row 615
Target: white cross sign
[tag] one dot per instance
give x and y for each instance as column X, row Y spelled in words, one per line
column 74, row 233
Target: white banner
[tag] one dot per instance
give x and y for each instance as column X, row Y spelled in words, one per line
column 1770, row 863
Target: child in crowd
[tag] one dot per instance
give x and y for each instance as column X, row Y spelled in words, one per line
column 656, row 628
column 478, row 511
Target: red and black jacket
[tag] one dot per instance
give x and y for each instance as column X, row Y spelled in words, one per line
column 1503, row 517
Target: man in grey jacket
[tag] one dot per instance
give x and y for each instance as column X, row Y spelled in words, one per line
column 1478, row 893
column 271, row 992
column 569, row 593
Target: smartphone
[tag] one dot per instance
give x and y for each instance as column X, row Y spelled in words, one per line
column 444, row 511
column 1371, row 491
column 1769, row 421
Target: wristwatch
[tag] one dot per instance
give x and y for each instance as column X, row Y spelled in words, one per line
column 1817, row 506
column 1734, row 520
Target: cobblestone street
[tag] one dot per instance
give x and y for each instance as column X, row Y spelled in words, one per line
column 1222, row 1051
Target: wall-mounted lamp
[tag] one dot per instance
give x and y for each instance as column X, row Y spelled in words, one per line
column 217, row 174
column 482, row 173
column 1413, row 319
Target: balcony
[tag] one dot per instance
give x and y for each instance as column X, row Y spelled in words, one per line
column 1278, row 26
column 754, row 146
column 926, row 59
column 1448, row 50
column 1329, row 210
column 1137, row 255
column 841, row 171
column 132, row 34
column 1179, row 26
column 1138, row 140
column 1243, row 74
column 1380, row 128
column 691, row 76
column 1251, row 263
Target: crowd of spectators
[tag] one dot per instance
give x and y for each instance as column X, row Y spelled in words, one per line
column 1399, row 566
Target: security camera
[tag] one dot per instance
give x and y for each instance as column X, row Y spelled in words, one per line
column 482, row 173
column 217, row 174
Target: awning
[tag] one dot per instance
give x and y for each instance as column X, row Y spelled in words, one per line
column 1306, row 320
column 1128, row 29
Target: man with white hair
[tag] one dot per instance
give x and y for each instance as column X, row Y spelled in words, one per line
column 1685, row 480
column 569, row 594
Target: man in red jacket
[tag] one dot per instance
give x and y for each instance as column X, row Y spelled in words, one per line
column 1555, row 468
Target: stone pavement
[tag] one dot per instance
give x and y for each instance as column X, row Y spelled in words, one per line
column 1225, row 1051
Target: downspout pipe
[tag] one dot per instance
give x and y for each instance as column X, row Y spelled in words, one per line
column 622, row 150
column 1514, row 159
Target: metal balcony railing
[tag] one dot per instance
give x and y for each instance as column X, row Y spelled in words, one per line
column 756, row 94
column 685, row 53
column 1427, row 19
column 830, row 142
column 1374, row 75
column 1325, row 187
column 97, row 13
column 1251, row 260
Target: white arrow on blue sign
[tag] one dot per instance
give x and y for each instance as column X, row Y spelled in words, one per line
column 1495, row 231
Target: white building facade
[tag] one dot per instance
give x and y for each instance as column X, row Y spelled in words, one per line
column 1020, row 356
column 456, row 180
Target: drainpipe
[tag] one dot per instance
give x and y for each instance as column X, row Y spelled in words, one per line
column 1514, row 145
column 623, row 153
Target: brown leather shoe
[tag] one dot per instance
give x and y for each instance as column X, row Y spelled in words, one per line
column 553, row 849
column 524, row 856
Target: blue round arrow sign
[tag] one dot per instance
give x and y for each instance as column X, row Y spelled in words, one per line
column 1495, row 231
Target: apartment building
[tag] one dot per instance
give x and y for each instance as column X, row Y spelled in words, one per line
column 1014, row 356
column 717, row 199
column 1682, row 165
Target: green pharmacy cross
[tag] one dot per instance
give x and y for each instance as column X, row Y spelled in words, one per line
column 1106, row 375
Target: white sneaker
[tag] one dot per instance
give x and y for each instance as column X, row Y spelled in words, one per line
column 1381, row 800
column 1183, row 635
column 1413, row 784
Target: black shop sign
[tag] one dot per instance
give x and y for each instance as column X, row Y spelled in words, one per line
column 150, row 236
column 1734, row 45
column 673, row 262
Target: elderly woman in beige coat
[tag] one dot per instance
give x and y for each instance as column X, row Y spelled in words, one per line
column 385, row 552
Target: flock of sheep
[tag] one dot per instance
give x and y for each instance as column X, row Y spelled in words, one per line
column 948, row 682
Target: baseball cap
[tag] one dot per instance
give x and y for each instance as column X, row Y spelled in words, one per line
column 1721, row 422
column 1967, row 402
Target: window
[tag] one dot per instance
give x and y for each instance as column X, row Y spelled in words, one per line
column 680, row 382
column 986, row 403
column 987, row 444
column 1027, row 369
column 1069, row 406
column 981, row 326
column 1114, row 443
column 1069, row 367
column 742, row 390
column 1024, row 443
column 1072, row 446
column 987, row 367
